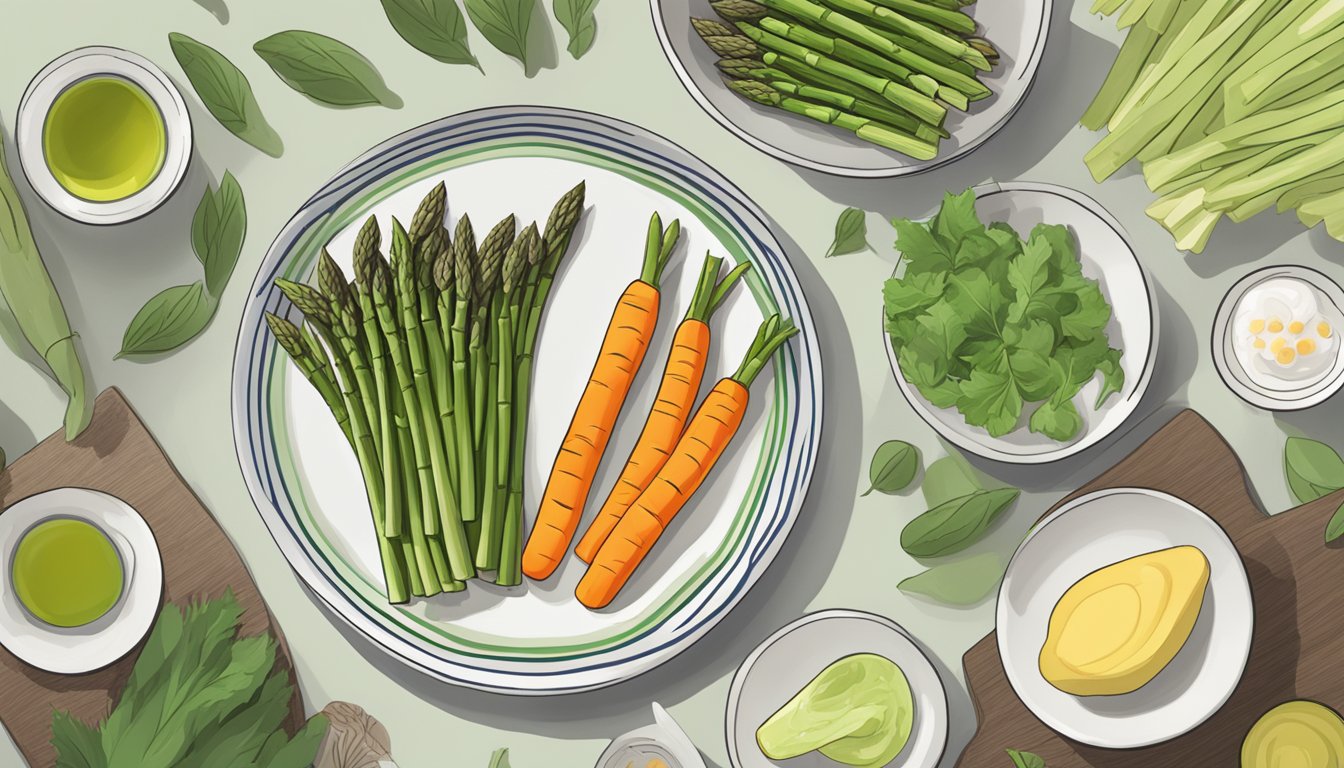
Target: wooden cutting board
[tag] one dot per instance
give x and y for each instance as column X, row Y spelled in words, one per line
column 1298, row 642
column 117, row 455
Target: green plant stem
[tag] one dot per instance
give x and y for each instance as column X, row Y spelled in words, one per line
column 902, row 24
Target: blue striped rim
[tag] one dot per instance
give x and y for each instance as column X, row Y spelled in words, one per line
column 766, row 531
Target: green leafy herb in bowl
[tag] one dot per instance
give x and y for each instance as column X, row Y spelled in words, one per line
column 997, row 326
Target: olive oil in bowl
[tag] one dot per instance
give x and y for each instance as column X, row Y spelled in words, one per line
column 104, row 139
column 67, row 573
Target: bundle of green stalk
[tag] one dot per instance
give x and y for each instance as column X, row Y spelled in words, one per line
column 425, row 360
column 1232, row 107
column 887, row 70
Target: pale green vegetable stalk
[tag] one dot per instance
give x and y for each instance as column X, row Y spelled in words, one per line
column 27, row 288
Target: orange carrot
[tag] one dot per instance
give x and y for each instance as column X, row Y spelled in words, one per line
column 706, row 438
column 672, row 407
column 618, row 361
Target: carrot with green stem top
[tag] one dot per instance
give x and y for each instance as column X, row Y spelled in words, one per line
column 672, row 407
column 706, row 438
column 623, row 347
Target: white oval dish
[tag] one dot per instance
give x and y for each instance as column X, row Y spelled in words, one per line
column 1107, row 257
column 76, row 650
column 790, row 658
column 1101, row 529
column 1234, row 374
column 1017, row 29
column 96, row 61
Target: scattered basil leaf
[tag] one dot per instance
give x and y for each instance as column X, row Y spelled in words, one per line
column 217, row 232
column 3, row 462
column 324, row 69
column 500, row 759
column 950, row 477
column 1335, row 528
column 225, row 92
column 1302, row 490
column 955, row 525
column 576, row 16
column 505, row 24
column 851, row 233
column 1025, row 759
column 1314, row 462
column 436, row 28
column 169, row 320
column 893, row 468
column 961, row 583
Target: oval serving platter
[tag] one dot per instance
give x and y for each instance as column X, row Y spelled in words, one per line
column 1106, row 256
column 1019, row 31
column 537, row 639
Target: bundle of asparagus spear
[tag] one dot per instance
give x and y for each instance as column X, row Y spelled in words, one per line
column 1232, row 106
column 426, row 363
column 886, row 70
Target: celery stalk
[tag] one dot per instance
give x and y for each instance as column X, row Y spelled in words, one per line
column 1324, row 155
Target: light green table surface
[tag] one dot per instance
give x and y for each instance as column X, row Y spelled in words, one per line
column 844, row 552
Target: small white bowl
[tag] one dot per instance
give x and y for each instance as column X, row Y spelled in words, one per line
column 790, row 658
column 82, row 64
column 1313, row 391
column 76, row 650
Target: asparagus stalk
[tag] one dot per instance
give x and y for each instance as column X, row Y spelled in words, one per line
column 903, row 96
column 464, row 254
column 724, row 41
column 951, row 20
column 303, row 348
column 898, row 22
column 898, row 120
column 317, row 372
column 556, row 239
column 866, row 129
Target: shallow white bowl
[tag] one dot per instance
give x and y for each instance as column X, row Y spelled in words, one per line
column 1017, row 29
column 1101, row 529
column 789, row 659
column 1313, row 391
column 82, row 64
column 76, row 650
column 1107, row 257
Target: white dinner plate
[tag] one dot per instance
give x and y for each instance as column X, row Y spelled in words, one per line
column 789, row 659
column 1017, row 29
column 76, row 650
column 537, row 639
column 1101, row 529
column 1107, row 257
column 1233, row 373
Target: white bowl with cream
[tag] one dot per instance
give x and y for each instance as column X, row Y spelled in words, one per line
column 1276, row 338
column 98, row 63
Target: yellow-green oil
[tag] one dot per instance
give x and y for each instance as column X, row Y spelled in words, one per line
column 104, row 139
column 67, row 573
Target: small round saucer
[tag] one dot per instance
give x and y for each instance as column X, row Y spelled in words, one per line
column 1234, row 375
column 82, row 64
column 76, row 650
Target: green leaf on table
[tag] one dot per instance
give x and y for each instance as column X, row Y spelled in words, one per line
column 1315, row 463
column 436, row 28
column 217, row 232
column 851, row 232
column 324, row 69
column 169, row 320
column 955, row 525
column 893, row 468
column 299, row 751
column 225, row 92
column 500, row 759
column 1025, row 759
column 77, row 745
column 505, row 23
column 1335, row 528
column 961, row 583
column 576, row 16
column 950, row 477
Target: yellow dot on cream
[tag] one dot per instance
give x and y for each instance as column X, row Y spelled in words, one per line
column 1323, row 330
column 1285, row 356
column 1295, row 327
column 1258, row 343
column 1275, row 326
column 1277, row 344
column 1305, row 346
column 1257, row 325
